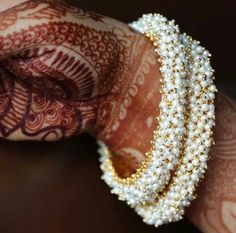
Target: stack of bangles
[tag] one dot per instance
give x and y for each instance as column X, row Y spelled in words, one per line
column 166, row 181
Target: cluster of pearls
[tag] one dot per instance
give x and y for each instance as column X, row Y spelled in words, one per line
column 184, row 136
column 168, row 137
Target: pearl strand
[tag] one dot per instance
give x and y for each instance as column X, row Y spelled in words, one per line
column 154, row 173
column 197, row 127
column 170, row 207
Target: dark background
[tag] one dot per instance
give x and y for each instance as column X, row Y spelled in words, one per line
column 55, row 187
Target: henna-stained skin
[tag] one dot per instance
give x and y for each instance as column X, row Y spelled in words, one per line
column 56, row 60
column 65, row 71
column 214, row 211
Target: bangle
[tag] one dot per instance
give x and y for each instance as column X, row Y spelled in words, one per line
column 167, row 140
column 184, row 135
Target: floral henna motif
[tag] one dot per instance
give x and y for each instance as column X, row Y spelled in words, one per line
column 57, row 119
column 225, row 133
column 46, row 9
column 81, row 54
column 35, row 115
column 214, row 211
column 64, row 62
column 134, row 113
column 101, row 75
column 99, row 69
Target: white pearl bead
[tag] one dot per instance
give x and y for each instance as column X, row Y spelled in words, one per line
column 169, row 141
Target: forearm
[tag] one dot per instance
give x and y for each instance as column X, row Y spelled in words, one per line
column 214, row 209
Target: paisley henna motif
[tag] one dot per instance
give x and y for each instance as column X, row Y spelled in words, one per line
column 34, row 113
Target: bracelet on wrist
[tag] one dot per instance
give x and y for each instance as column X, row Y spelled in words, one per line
column 183, row 138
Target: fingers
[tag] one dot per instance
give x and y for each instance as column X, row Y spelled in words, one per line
column 63, row 52
column 29, row 114
column 43, row 23
column 50, row 56
column 82, row 47
column 60, row 72
column 26, row 25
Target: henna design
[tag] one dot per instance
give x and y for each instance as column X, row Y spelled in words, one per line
column 226, row 130
column 67, row 78
column 6, row 20
column 214, row 209
column 34, row 113
column 67, row 61
column 49, row 115
column 9, row 17
column 63, row 61
column 46, row 9
column 57, row 9
column 129, row 120
column 97, row 48
column 130, row 83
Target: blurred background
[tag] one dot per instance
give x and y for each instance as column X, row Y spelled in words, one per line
column 56, row 187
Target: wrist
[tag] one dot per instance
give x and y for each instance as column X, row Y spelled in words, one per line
column 127, row 116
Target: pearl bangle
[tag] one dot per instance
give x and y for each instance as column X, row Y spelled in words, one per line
column 170, row 207
column 185, row 126
column 167, row 138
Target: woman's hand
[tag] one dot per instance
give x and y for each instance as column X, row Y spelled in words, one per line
column 65, row 71
column 53, row 60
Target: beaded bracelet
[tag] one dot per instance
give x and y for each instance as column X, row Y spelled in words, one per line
column 150, row 174
column 184, row 135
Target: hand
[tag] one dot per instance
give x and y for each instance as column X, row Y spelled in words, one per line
column 51, row 63
column 65, row 71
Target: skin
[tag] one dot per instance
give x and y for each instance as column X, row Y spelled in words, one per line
column 214, row 209
column 84, row 72
column 98, row 92
column 5, row 4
